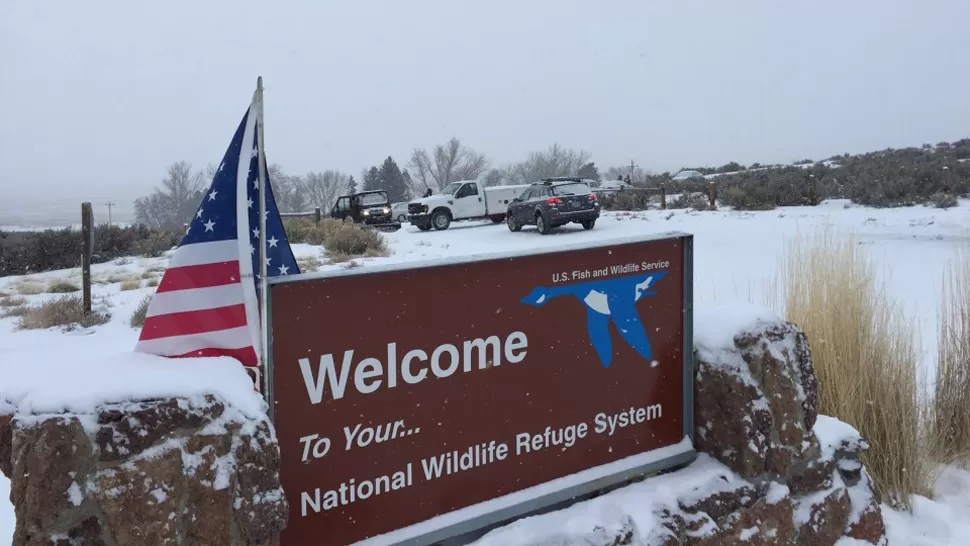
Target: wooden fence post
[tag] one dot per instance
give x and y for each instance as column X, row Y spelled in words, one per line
column 316, row 215
column 663, row 196
column 87, row 227
column 712, row 195
column 812, row 191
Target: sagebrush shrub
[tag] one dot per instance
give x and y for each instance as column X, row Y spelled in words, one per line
column 750, row 198
column 65, row 311
column 63, row 287
column 342, row 240
column 133, row 284
column 25, row 252
column 625, row 200
column 12, row 301
column 944, row 200
column 305, row 230
column 352, row 240
column 138, row 316
column 696, row 201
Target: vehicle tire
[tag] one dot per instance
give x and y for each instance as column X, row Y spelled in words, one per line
column 402, row 218
column 588, row 224
column 349, row 220
column 424, row 227
column 541, row 224
column 513, row 225
column 440, row 220
column 497, row 218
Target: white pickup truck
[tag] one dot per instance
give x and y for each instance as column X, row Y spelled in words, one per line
column 462, row 200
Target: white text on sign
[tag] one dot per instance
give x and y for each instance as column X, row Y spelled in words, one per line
column 620, row 269
column 453, row 462
column 370, row 374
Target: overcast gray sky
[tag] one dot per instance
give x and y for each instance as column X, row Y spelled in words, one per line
column 101, row 96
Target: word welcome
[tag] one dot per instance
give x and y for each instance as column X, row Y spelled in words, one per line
column 370, row 374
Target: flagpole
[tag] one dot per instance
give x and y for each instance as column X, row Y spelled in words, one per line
column 263, row 277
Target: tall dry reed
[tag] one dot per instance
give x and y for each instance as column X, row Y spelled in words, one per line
column 865, row 353
column 951, row 393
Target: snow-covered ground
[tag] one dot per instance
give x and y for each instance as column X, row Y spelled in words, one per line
column 736, row 257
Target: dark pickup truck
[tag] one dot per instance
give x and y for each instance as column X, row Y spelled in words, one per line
column 368, row 208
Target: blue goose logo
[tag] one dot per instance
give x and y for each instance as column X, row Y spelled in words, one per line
column 607, row 300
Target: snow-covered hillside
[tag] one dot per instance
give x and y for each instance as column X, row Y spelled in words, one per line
column 736, row 256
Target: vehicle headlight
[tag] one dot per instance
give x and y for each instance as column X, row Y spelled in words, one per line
column 386, row 210
column 366, row 213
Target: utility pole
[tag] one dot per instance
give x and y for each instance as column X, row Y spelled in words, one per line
column 633, row 167
column 109, row 204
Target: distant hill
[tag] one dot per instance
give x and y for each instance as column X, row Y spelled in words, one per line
column 929, row 174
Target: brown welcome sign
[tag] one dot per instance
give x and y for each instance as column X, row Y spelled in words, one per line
column 418, row 402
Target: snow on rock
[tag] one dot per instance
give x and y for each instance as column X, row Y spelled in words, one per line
column 756, row 391
column 185, row 470
column 74, row 383
column 715, row 325
column 835, row 436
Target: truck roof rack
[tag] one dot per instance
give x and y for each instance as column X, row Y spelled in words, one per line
column 552, row 179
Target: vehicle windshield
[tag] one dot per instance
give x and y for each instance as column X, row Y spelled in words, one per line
column 450, row 189
column 373, row 199
column 575, row 188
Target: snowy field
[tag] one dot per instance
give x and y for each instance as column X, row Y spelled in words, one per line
column 736, row 256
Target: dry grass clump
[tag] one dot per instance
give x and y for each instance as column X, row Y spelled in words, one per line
column 307, row 264
column 12, row 301
column 12, row 306
column 305, row 230
column 350, row 241
column 118, row 278
column 152, row 282
column 951, row 396
column 152, row 272
column 30, row 287
column 7, row 312
column 343, row 240
column 865, row 356
column 130, row 285
column 62, row 286
column 65, row 311
column 138, row 317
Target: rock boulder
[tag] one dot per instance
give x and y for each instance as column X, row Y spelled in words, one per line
column 181, row 471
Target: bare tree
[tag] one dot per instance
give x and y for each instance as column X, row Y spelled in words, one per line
column 496, row 177
column 174, row 203
column 209, row 172
column 151, row 211
column 323, row 188
column 288, row 189
column 447, row 163
column 556, row 161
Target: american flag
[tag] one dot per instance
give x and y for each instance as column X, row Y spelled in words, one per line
column 206, row 303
